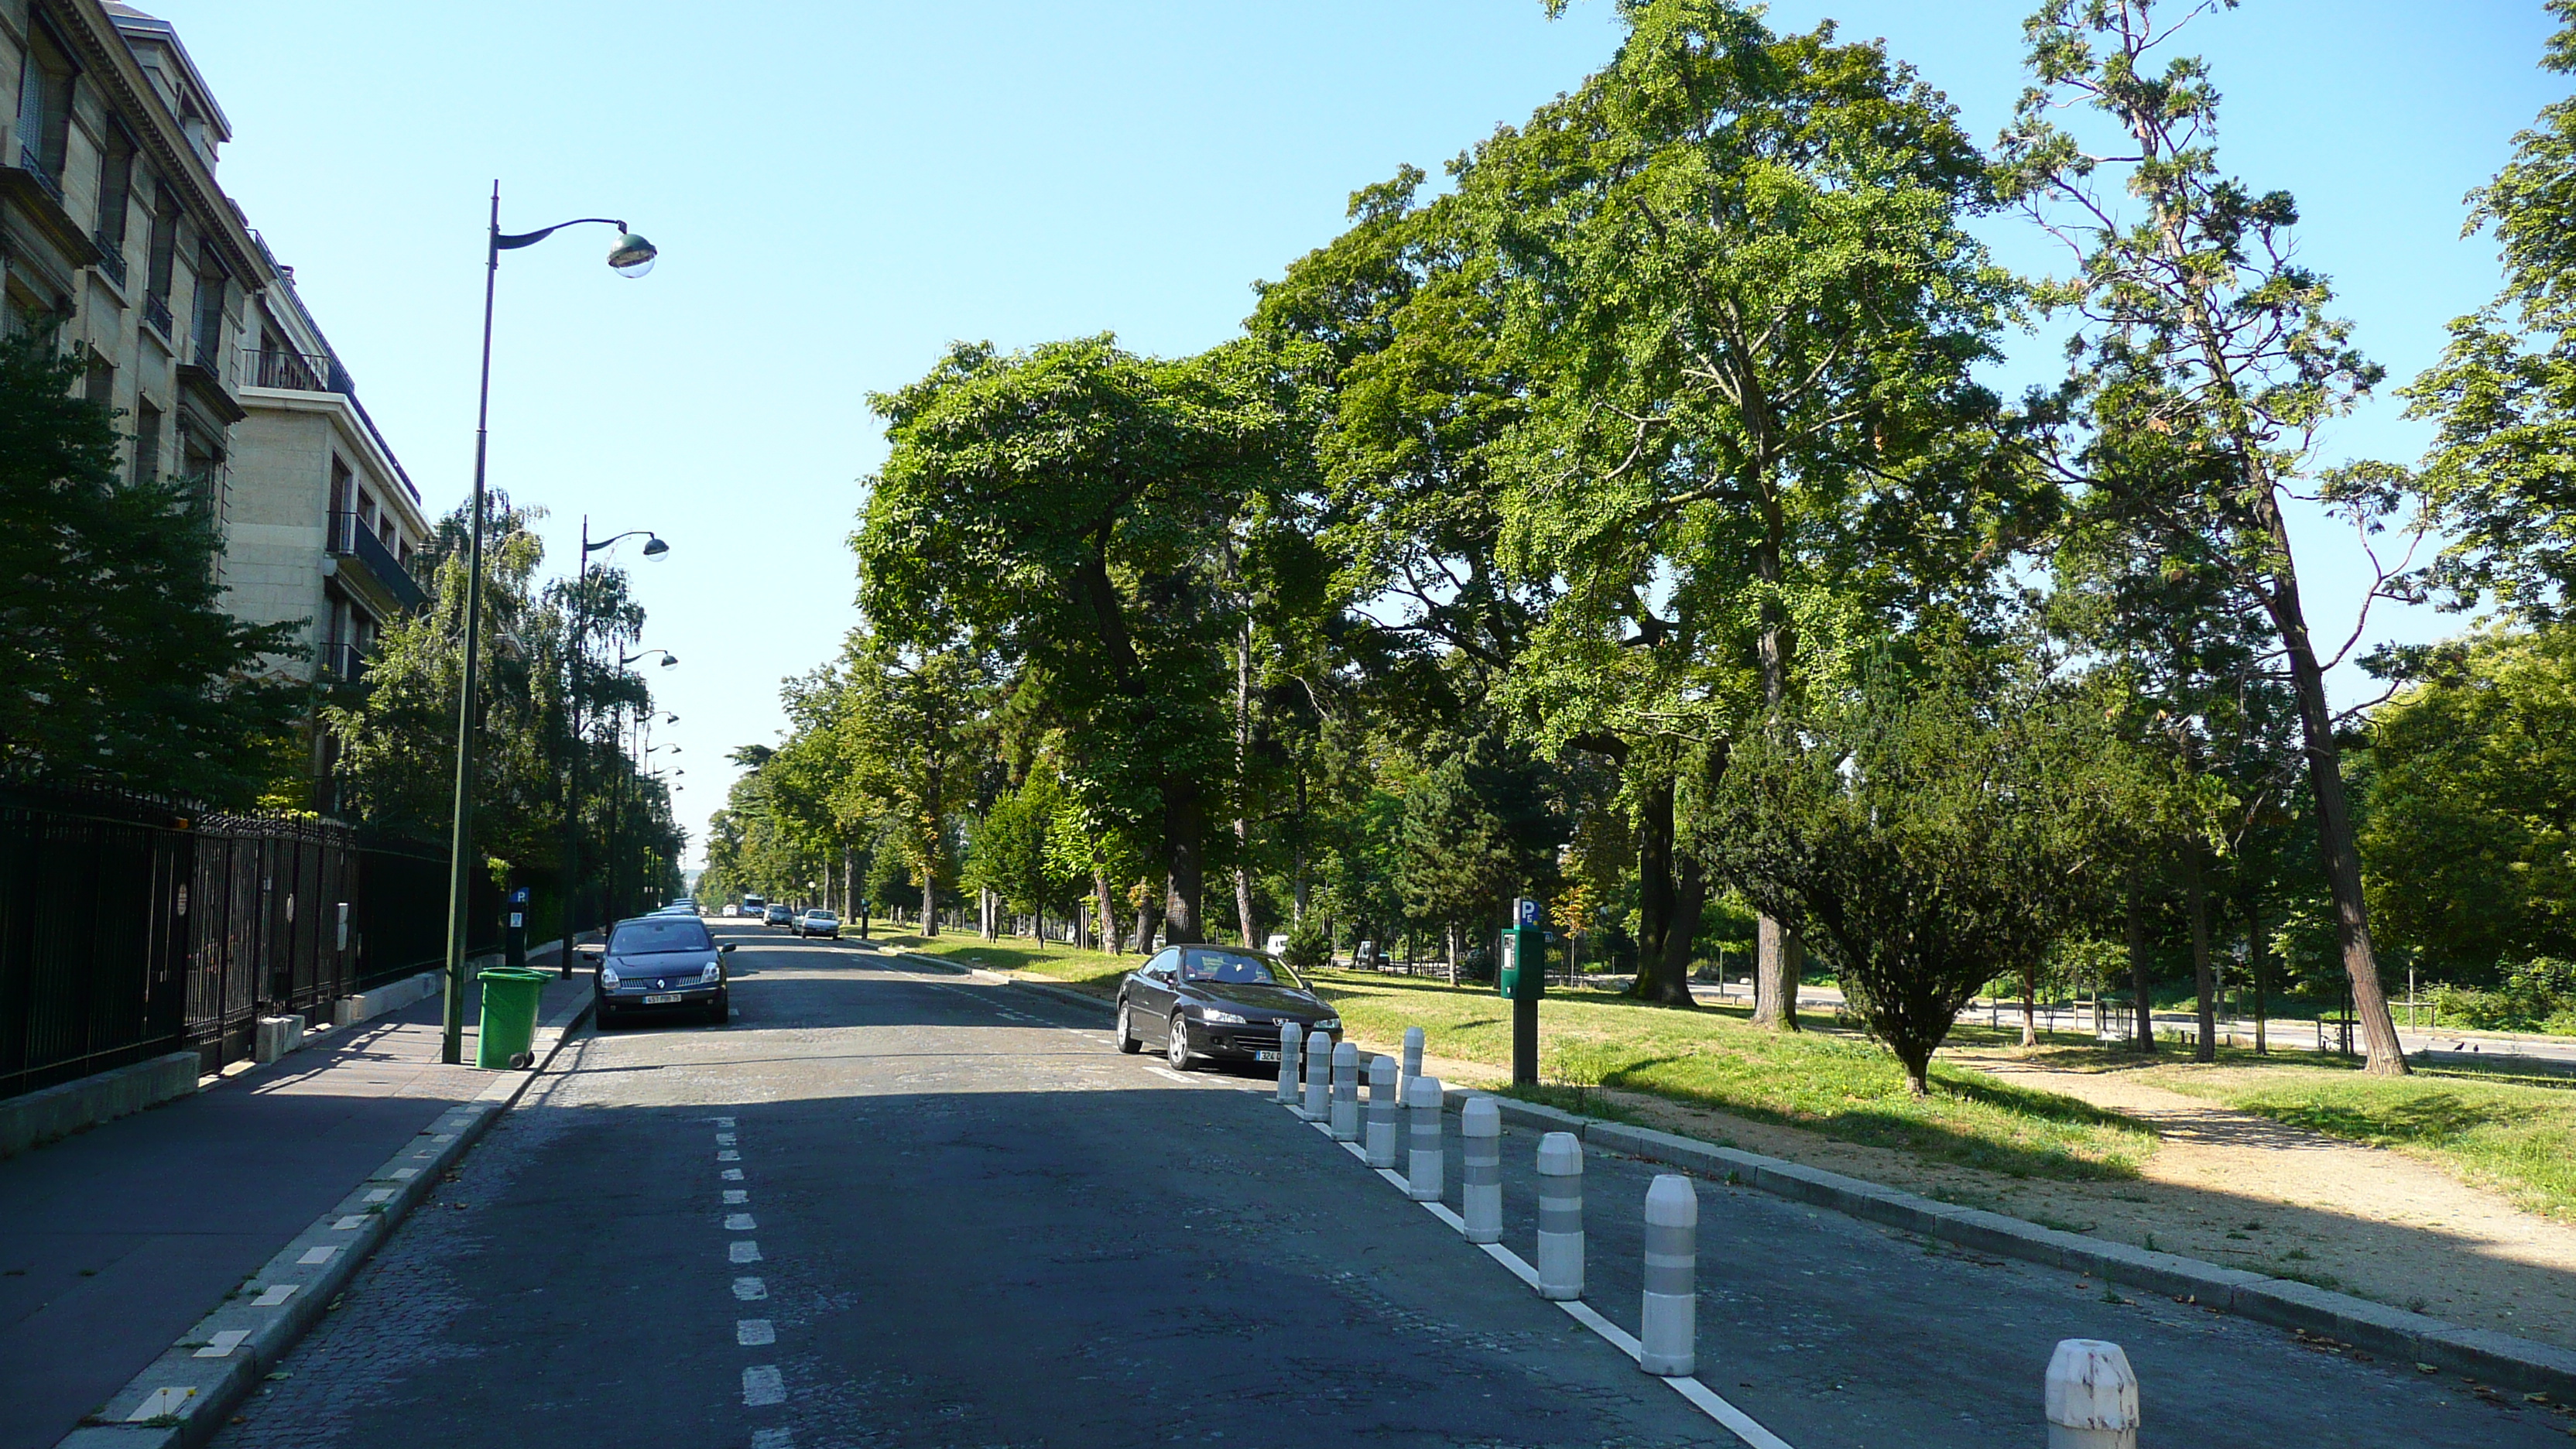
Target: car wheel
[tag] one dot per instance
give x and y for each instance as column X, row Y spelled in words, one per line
column 721, row 1012
column 605, row 1017
column 1128, row 1041
column 1177, row 1050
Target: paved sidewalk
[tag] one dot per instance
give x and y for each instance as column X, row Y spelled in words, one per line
column 120, row 1238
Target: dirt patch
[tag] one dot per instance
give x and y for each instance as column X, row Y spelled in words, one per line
column 2225, row 1187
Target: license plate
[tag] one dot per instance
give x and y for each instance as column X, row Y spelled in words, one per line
column 1265, row 1056
column 668, row 998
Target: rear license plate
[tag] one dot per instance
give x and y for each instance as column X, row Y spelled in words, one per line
column 668, row 998
column 1265, row 1056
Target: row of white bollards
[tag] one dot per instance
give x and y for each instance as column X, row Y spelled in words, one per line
column 2091, row 1395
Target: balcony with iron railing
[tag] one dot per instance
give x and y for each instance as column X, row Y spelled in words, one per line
column 111, row 257
column 156, row 313
column 342, row 663
column 291, row 371
column 34, row 165
column 350, row 538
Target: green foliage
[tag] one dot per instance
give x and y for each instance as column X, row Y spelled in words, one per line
column 1308, row 948
column 2468, row 835
column 1927, row 834
column 120, row 665
column 2538, row 995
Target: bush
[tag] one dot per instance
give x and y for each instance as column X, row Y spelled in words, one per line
column 2538, row 995
column 1308, row 947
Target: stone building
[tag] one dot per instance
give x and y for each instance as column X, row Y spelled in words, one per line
column 114, row 232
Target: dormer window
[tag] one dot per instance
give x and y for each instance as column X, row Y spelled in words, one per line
column 44, row 109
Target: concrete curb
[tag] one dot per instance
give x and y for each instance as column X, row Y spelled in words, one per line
column 2489, row 1357
column 49, row 1114
column 187, row 1393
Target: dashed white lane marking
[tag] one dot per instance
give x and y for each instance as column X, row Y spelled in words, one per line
column 754, row 1332
column 275, row 1294
column 350, row 1224
column 159, row 1402
column 773, row 1439
column 735, row 1195
column 750, row 1290
column 223, row 1344
column 405, row 1174
column 742, row 1250
column 761, row 1387
column 739, row 1223
column 724, row 1139
column 318, row 1255
column 723, row 1121
column 382, row 1194
column 443, row 1138
column 731, row 1174
column 728, row 1155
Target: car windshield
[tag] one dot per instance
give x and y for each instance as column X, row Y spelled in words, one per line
column 818, row 915
column 656, row 935
column 1230, row 967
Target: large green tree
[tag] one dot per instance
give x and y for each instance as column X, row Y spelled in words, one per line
column 2204, row 363
column 120, row 664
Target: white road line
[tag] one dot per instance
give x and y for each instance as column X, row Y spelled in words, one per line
column 722, row 1121
column 754, row 1332
column 382, row 1194
column 443, row 1138
column 728, row 1155
column 750, row 1290
column 405, row 1174
column 761, row 1387
column 274, row 1294
column 739, row 1223
column 742, row 1250
column 1703, row 1398
column 318, row 1255
column 223, row 1344
column 735, row 1195
column 731, row 1174
column 724, row 1139
column 350, row 1224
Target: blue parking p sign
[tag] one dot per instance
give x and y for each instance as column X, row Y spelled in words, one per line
column 1526, row 914
column 519, row 896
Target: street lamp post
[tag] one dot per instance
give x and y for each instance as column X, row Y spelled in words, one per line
column 631, row 257
column 654, row 548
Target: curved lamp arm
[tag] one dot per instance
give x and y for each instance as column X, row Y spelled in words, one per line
column 509, row 243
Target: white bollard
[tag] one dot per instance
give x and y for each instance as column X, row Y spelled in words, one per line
column 1560, row 1217
column 1412, row 1064
column 2092, row 1398
column 1668, row 1328
column 1422, row 1166
column 1381, row 1112
column 1319, row 1079
column 1290, row 1035
column 1346, row 1093
column 1480, row 1169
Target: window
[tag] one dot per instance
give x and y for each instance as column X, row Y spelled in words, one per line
column 653, row 935
column 1226, row 966
column 44, row 108
column 98, row 384
column 165, row 249
column 115, row 195
column 147, row 442
column 213, row 288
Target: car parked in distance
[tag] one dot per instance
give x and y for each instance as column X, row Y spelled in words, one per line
column 660, row 964
column 819, row 923
column 779, row 914
column 1217, row 1002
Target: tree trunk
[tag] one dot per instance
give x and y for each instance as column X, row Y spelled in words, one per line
column 2138, row 982
column 1453, row 953
column 1243, row 786
column 1779, row 959
column 1147, row 918
column 2204, row 982
column 2334, row 818
column 929, row 901
column 1297, row 857
column 1108, row 911
column 1654, row 880
column 1665, row 976
column 2030, row 1006
column 2257, row 948
column 1185, row 871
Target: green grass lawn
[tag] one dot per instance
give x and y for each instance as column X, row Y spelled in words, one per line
column 2516, row 1131
column 1828, row 1083
column 1095, row 972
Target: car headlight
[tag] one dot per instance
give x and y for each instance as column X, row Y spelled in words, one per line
column 608, row 977
column 712, row 974
column 1330, row 1023
column 1225, row 1018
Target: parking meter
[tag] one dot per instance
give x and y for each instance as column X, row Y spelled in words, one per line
column 514, row 929
column 1521, row 980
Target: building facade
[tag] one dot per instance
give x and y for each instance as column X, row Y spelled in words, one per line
column 115, row 235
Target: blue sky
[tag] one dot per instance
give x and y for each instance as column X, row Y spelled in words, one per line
column 839, row 190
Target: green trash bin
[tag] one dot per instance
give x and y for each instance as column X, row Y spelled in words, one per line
column 509, row 1027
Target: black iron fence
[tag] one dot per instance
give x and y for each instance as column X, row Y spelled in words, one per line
column 130, row 928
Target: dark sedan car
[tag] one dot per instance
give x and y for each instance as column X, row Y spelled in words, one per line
column 779, row 914
column 660, row 963
column 1212, row 1001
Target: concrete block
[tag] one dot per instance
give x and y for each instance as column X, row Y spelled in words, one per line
column 2501, row 1359
column 32, row 1119
column 1653, row 1146
column 275, row 1036
column 2374, row 1326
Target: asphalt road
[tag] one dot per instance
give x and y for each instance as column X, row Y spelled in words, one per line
column 964, row 1219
